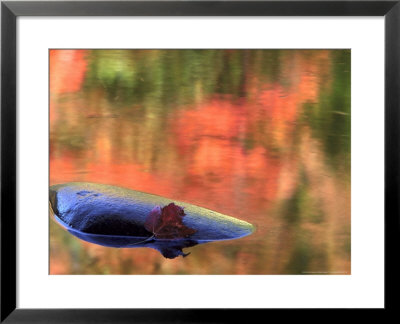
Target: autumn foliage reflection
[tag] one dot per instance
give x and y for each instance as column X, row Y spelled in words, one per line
column 259, row 135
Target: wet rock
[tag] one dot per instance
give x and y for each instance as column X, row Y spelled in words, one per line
column 115, row 217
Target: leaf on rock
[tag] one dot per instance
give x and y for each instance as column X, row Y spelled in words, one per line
column 167, row 223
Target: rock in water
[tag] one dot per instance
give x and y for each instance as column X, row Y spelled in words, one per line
column 115, row 217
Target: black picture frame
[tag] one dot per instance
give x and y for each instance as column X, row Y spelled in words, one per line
column 10, row 10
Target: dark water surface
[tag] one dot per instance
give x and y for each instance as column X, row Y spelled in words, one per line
column 260, row 135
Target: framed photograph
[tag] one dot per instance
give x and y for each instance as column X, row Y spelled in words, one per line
column 194, row 161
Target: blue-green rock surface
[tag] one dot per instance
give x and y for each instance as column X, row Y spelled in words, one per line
column 113, row 216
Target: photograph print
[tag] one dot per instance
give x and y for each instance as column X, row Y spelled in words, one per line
column 200, row 161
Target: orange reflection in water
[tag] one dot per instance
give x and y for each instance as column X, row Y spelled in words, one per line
column 67, row 70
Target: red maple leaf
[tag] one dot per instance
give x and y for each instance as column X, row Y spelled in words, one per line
column 167, row 223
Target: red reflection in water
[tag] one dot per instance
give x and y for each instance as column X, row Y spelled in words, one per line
column 67, row 70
